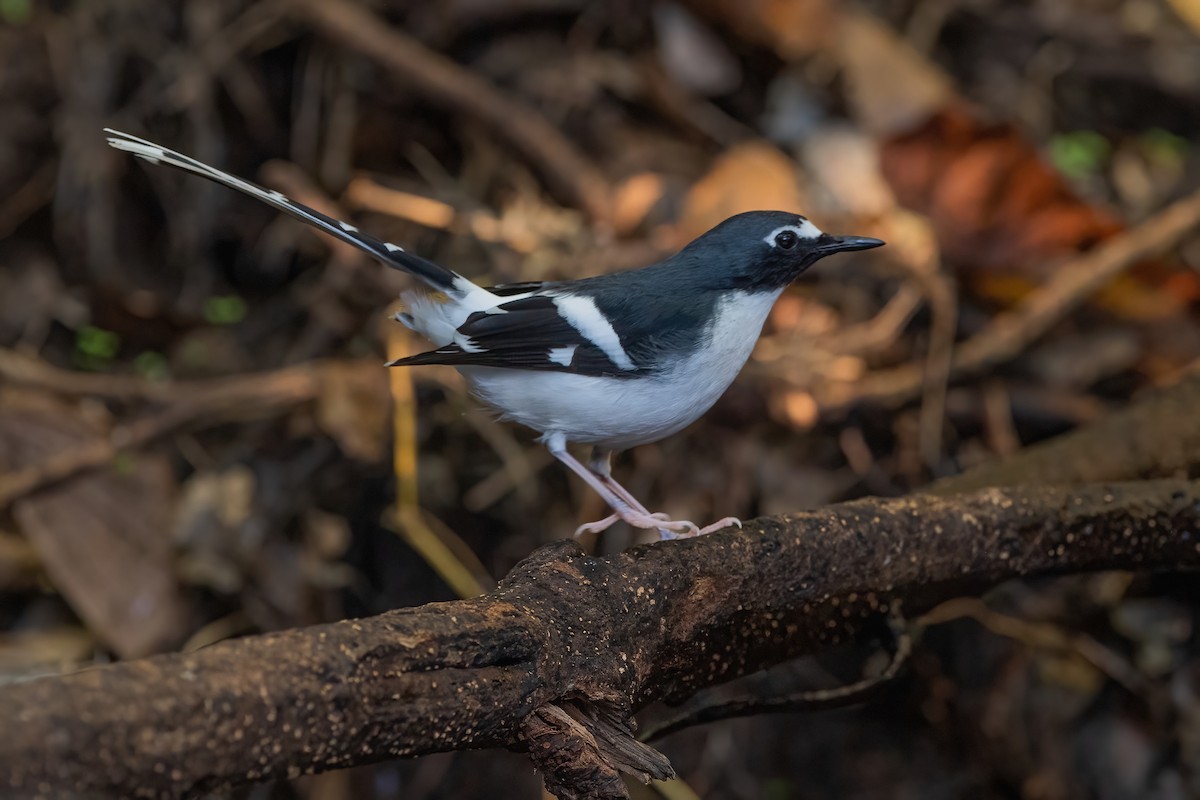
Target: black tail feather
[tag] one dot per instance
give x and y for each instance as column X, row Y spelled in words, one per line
column 394, row 256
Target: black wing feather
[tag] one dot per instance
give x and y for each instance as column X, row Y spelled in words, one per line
column 521, row 334
column 524, row 287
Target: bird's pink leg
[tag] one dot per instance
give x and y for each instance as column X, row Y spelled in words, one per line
column 626, row 507
column 601, row 464
column 638, row 517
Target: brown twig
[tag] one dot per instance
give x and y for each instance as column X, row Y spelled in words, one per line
column 1043, row 636
column 364, row 193
column 918, row 254
column 880, row 331
column 21, row 204
column 191, row 404
column 442, row 81
column 1157, row 437
column 702, row 709
column 20, row 370
column 1009, row 334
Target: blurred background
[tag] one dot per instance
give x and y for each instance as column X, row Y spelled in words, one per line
column 198, row 439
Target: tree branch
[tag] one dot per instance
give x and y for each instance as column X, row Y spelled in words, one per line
column 1157, row 437
column 594, row 637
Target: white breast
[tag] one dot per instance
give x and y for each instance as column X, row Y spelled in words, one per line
column 624, row 412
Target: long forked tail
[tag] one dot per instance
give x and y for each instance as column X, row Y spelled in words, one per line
column 394, row 256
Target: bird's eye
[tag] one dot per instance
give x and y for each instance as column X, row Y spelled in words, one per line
column 786, row 239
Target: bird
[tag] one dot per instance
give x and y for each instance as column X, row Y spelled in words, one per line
column 612, row 361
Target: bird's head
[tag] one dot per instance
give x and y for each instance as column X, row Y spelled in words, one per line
column 764, row 250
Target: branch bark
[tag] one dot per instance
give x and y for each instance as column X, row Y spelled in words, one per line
column 594, row 638
column 1157, row 437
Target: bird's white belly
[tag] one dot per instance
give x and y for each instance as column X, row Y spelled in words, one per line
column 618, row 413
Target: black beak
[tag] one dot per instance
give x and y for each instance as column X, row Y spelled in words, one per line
column 828, row 244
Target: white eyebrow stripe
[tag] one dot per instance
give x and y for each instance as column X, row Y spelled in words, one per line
column 584, row 316
column 804, row 229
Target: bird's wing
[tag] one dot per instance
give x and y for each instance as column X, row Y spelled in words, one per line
column 542, row 331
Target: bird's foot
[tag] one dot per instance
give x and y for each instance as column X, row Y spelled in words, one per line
column 667, row 528
column 613, row 519
column 720, row 524
column 598, row 525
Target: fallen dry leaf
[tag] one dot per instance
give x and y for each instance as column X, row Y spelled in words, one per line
column 792, row 28
column 752, row 176
column 844, row 162
column 1188, row 11
column 103, row 537
column 694, row 56
column 1003, row 216
column 891, row 87
column 633, row 198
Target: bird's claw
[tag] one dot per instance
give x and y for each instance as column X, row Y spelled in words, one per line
column 720, row 525
column 611, row 519
column 691, row 529
column 597, row 526
column 667, row 528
